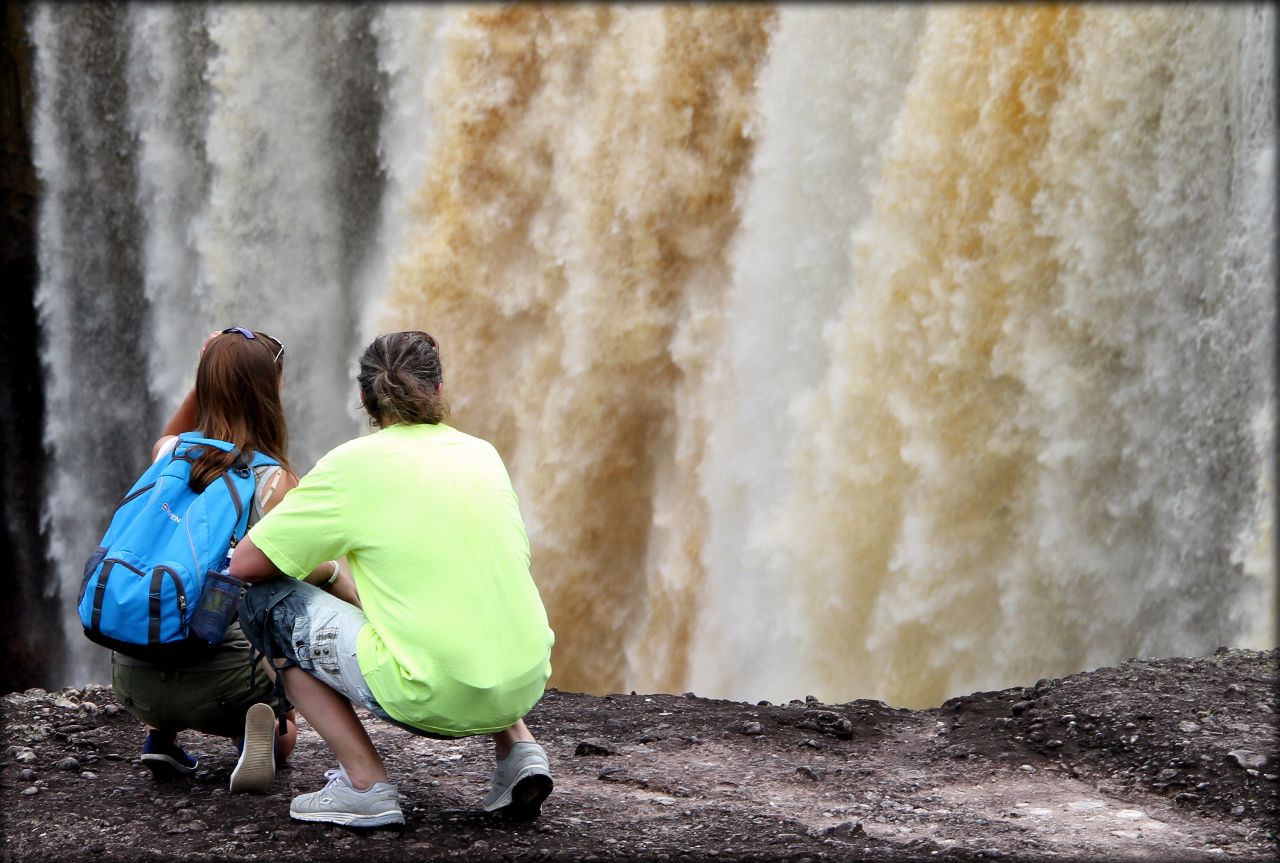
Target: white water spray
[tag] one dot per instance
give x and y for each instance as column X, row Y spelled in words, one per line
column 271, row 237
column 1032, row 452
column 823, row 125
column 167, row 105
column 409, row 54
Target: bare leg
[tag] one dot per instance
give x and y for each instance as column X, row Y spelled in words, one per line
column 162, row 736
column 504, row 740
column 334, row 719
column 289, row 738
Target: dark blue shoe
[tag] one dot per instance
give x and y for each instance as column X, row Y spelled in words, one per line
column 166, row 760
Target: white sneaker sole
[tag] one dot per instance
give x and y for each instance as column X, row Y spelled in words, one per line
column 164, row 767
column 350, row 819
column 256, row 769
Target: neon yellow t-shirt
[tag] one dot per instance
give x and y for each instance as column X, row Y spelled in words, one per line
column 457, row 641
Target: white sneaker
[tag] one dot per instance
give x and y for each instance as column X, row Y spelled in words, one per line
column 339, row 803
column 256, row 768
column 521, row 782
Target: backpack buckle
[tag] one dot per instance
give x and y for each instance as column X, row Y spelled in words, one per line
column 242, row 464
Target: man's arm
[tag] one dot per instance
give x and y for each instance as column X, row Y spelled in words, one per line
column 250, row 564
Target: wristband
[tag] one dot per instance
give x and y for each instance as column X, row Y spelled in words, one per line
column 333, row 577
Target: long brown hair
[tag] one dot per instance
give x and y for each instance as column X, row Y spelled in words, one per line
column 238, row 400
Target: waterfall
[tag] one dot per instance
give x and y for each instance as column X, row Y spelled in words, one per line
column 1045, row 382
column 291, row 142
column 575, row 218
column 865, row 351
column 409, row 54
column 809, row 190
column 167, row 104
column 90, row 302
column 202, row 167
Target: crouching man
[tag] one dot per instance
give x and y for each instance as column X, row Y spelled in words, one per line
column 438, row 628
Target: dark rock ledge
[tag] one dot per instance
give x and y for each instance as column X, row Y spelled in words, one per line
column 1171, row 759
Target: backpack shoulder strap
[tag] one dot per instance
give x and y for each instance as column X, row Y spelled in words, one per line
column 189, row 439
column 262, row 459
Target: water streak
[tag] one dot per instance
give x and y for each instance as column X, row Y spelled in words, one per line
column 822, row 123
column 575, row 217
column 90, row 303
column 291, row 166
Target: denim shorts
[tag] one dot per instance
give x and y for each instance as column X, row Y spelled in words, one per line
column 295, row 623
column 290, row 620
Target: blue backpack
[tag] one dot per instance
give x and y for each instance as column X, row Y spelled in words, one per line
column 142, row 583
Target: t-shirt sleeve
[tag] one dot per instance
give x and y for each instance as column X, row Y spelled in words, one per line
column 308, row 526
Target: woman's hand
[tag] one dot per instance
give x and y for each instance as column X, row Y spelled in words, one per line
column 208, row 339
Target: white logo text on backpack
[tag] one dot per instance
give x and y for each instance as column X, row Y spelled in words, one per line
column 173, row 516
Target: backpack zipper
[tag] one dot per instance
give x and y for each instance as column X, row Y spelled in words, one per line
column 146, row 488
column 182, row 598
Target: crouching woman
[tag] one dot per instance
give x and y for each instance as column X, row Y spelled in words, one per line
column 439, row 627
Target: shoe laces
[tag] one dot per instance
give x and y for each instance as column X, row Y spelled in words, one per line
column 337, row 775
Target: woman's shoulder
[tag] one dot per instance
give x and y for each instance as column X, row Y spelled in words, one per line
column 164, row 446
column 265, row 472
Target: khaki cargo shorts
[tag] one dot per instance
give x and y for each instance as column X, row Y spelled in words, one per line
column 211, row 702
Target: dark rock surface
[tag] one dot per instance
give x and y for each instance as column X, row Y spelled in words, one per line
column 1169, row 759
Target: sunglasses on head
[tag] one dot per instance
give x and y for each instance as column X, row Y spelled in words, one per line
column 249, row 334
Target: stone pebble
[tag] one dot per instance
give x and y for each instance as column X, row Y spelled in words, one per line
column 595, row 746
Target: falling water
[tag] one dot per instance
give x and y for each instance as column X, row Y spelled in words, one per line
column 409, row 54
column 792, row 270
column 291, row 143
column 576, row 215
column 202, row 167
column 925, row 391
column 90, row 300
column 1044, row 382
column 857, row 351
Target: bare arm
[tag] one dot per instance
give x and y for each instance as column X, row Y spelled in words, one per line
column 185, row 417
column 183, row 420
column 250, row 564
